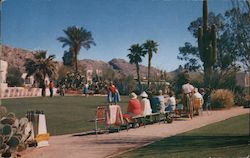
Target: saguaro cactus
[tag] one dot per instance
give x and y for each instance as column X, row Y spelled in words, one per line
column 207, row 45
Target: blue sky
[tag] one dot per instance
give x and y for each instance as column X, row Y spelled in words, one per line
column 115, row 25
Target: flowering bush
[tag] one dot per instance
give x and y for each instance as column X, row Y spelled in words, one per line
column 73, row 81
column 222, row 98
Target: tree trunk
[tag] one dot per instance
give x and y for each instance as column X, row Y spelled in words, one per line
column 149, row 67
column 207, row 76
column 76, row 65
column 138, row 76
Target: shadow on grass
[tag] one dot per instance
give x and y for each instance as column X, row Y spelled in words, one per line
column 189, row 143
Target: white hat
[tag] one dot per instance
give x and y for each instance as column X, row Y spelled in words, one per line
column 133, row 95
column 144, row 94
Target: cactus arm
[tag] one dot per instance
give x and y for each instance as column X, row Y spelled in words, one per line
column 205, row 15
column 200, row 43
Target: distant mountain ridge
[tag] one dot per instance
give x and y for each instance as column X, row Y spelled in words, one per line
column 17, row 56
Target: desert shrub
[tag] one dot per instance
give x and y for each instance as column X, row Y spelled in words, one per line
column 3, row 111
column 222, row 98
column 14, row 77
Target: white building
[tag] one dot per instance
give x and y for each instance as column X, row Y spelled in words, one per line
column 3, row 73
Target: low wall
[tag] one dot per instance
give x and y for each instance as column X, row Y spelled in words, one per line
column 20, row 92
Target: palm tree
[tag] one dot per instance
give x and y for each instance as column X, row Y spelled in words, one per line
column 136, row 52
column 41, row 67
column 76, row 38
column 150, row 47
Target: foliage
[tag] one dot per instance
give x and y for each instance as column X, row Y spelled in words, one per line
column 232, row 46
column 14, row 77
column 67, row 58
column 62, row 72
column 73, row 80
column 179, row 80
column 207, row 45
column 224, row 79
column 238, row 30
column 126, row 85
column 222, row 98
column 135, row 57
column 76, row 38
column 3, row 111
column 14, row 134
column 150, row 47
column 41, row 67
column 240, row 96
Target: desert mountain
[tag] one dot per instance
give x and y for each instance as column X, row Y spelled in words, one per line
column 16, row 57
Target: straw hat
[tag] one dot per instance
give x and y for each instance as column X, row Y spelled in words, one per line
column 133, row 95
column 144, row 94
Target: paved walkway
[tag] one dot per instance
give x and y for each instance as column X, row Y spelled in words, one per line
column 108, row 145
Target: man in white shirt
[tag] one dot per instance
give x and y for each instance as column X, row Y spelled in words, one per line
column 187, row 90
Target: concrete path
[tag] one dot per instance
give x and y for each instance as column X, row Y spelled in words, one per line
column 109, row 145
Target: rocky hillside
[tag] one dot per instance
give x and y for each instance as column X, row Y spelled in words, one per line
column 16, row 57
column 125, row 67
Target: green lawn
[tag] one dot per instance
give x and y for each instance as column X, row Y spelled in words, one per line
column 226, row 139
column 63, row 114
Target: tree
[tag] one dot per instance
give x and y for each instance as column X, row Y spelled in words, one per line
column 76, row 38
column 227, row 47
column 207, row 45
column 150, row 47
column 67, row 58
column 135, row 57
column 14, row 77
column 238, row 30
column 41, row 67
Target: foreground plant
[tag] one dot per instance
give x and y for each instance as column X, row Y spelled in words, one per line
column 13, row 134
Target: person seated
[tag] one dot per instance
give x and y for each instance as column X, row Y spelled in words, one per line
column 161, row 100
column 171, row 103
column 134, row 107
column 145, row 104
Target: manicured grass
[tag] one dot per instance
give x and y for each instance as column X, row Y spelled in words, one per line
column 64, row 115
column 226, row 139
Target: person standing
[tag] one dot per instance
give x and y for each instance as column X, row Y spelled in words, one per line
column 187, row 90
column 197, row 100
column 113, row 94
column 51, row 86
column 86, row 89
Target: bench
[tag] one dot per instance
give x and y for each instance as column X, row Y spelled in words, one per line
column 165, row 116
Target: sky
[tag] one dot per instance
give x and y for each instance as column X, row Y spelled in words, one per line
column 115, row 25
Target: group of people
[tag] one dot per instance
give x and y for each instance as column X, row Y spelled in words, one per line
column 147, row 106
column 192, row 101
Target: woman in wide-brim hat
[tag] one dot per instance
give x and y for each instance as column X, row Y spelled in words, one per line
column 134, row 106
column 145, row 104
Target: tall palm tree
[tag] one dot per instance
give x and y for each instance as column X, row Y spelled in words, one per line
column 136, row 52
column 41, row 67
column 76, row 38
column 150, row 47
